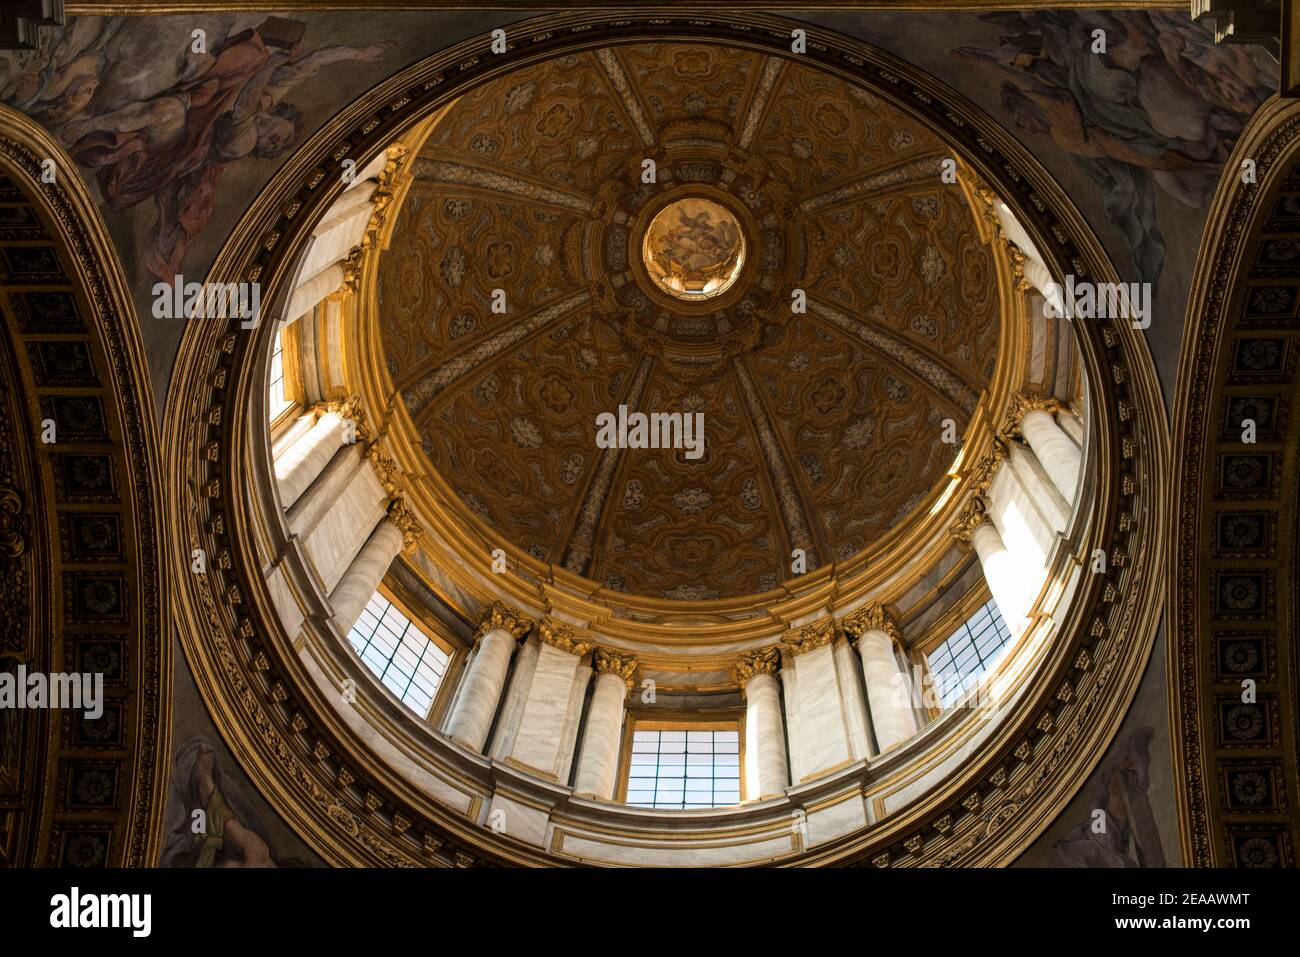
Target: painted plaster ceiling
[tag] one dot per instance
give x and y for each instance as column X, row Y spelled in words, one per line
column 821, row 428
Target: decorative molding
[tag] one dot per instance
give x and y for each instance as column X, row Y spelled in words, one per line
column 1021, row 404
column 226, row 620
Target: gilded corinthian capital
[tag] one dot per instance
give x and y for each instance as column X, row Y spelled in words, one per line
column 870, row 618
column 562, row 636
column 400, row 514
column 973, row 515
column 502, row 618
column 345, row 408
column 1020, row 405
column 613, row 663
column 764, row 662
column 810, row 637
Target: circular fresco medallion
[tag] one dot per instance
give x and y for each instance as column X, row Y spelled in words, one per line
column 693, row 249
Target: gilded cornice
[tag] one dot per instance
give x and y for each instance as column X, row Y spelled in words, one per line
column 499, row 617
column 810, row 637
column 352, row 267
column 975, row 511
column 616, row 663
column 871, row 618
column 382, row 196
column 559, row 635
column 764, row 662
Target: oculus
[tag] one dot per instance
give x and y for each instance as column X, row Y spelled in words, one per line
column 693, row 249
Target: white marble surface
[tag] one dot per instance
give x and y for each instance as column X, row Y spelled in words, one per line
column 341, row 531
column 302, row 461
column 598, row 765
column 887, row 690
column 476, row 705
column 766, row 770
column 1059, row 455
column 823, row 740
column 365, row 573
column 539, row 739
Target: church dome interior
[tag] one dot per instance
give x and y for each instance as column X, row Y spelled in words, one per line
column 648, row 437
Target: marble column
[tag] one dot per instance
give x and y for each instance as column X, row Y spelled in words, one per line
column 313, row 289
column 363, row 576
column 537, row 730
column 598, row 765
column 298, row 467
column 766, row 770
column 325, row 491
column 485, row 678
column 1005, row 579
column 1055, row 450
column 888, row 686
column 367, row 570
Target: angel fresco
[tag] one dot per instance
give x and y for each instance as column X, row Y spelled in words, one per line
column 133, row 101
column 1160, row 109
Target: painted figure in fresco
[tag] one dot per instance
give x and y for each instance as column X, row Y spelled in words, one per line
column 1126, row 835
column 1160, row 108
column 165, row 126
column 233, row 835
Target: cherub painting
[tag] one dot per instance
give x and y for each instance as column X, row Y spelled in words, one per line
column 159, row 112
column 1159, row 110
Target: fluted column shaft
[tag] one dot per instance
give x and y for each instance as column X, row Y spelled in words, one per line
column 598, row 766
column 1005, row 579
column 307, row 457
column 766, row 772
column 1056, row 451
column 480, row 693
column 365, row 573
column 887, row 689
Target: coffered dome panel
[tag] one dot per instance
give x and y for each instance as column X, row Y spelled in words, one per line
column 687, row 229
